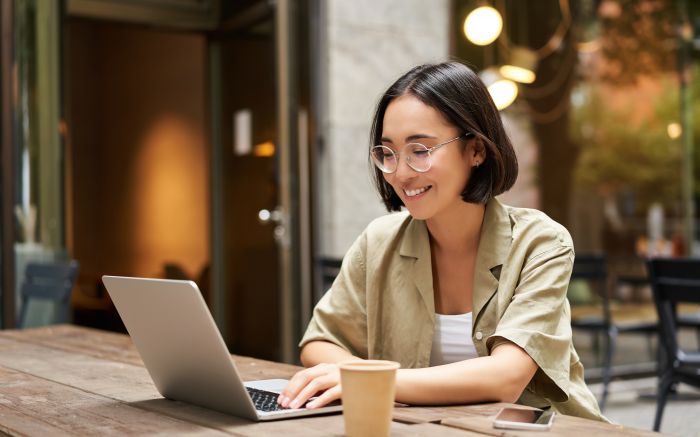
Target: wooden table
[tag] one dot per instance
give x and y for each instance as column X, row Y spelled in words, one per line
column 68, row 380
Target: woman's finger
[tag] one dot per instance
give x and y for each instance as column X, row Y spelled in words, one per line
column 299, row 381
column 327, row 397
column 321, row 383
column 295, row 384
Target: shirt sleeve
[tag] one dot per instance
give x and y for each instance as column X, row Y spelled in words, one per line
column 538, row 320
column 340, row 316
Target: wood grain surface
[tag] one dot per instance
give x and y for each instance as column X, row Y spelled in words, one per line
column 69, row 380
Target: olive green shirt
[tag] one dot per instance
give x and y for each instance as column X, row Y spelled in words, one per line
column 381, row 305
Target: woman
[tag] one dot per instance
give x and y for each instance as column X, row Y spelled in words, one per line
column 467, row 294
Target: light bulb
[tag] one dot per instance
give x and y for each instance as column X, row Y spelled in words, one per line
column 518, row 74
column 483, row 25
column 521, row 65
column 674, row 130
column 503, row 92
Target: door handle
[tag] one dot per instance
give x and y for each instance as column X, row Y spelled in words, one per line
column 279, row 218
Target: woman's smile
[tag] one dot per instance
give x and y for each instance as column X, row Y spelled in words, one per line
column 415, row 193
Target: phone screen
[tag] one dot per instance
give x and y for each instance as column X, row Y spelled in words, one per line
column 524, row 416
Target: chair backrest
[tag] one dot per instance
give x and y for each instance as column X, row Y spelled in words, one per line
column 329, row 267
column 673, row 281
column 594, row 270
column 175, row 271
column 48, row 281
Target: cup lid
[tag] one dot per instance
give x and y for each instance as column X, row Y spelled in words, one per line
column 369, row 365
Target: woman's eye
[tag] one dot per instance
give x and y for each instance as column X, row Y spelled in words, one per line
column 383, row 154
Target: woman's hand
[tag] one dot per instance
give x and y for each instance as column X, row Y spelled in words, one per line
column 308, row 382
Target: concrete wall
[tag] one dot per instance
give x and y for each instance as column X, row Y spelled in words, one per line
column 367, row 45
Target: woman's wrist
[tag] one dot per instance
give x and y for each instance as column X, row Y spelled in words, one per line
column 404, row 378
column 320, row 351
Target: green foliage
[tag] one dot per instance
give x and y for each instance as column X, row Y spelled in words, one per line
column 619, row 155
column 620, row 152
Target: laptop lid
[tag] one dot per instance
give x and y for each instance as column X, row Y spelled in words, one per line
column 179, row 343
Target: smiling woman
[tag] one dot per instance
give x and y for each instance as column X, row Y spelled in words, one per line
column 442, row 175
column 467, row 294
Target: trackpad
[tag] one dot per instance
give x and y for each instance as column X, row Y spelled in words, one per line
column 273, row 385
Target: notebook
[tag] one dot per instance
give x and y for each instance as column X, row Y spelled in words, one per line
column 184, row 353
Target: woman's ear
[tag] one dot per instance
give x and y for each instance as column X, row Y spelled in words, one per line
column 477, row 152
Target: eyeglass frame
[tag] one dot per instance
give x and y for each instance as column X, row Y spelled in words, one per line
column 430, row 150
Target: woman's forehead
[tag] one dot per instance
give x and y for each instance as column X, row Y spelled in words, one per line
column 408, row 116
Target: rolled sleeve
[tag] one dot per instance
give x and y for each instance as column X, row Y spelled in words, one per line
column 538, row 320
column 340, row 317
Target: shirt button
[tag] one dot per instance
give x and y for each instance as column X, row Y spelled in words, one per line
column 479, row 335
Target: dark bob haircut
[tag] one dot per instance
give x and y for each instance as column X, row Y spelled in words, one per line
column 458, row 94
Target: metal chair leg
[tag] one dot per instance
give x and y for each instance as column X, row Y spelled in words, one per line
column 595, row 345
column 650, row 345
column 665, row 384
column 607, row 366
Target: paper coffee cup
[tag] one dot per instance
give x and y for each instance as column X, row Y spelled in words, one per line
column 368, row 390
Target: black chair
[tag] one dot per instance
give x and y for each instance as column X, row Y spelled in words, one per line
column 48, row 281
column 329, row 269
column 598, row 317
column 674, row 282
column 173, row 270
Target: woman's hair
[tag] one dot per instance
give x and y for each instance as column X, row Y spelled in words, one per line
column 458, row 94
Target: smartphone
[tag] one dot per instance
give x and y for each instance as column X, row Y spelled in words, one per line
column 516, row 418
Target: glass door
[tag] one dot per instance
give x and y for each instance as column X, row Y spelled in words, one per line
column 32, row 146
column 258, row 255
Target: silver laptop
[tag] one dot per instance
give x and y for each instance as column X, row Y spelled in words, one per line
column 184, row 353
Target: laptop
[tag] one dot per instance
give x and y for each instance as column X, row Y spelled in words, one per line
column 176, row 336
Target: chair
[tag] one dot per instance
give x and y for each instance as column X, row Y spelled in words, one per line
column 48, row 281
column 674, row 282
column 329, row 269
column 599, row 317
column 173, row 270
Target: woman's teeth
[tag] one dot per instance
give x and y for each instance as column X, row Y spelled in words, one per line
column 411, row 193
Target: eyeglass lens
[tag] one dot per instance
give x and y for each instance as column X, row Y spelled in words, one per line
column 417, row 156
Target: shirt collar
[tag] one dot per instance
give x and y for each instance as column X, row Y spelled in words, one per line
column 496, row 236
column 494, row 242
column 494, row 245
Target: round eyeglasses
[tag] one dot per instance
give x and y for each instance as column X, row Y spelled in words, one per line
column 417, row 155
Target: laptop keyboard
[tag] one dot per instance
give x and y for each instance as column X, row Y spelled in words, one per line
column 265, row 400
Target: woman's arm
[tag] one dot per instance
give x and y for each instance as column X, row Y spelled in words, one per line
column 317, row 352
column 501, row 376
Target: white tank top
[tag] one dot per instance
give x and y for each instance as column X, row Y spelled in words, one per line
column 452, row 341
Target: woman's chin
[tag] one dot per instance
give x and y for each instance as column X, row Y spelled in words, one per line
column 418, row 213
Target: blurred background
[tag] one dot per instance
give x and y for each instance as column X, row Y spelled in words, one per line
column 225, row 141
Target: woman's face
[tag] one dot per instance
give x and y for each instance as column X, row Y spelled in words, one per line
column 427, row 195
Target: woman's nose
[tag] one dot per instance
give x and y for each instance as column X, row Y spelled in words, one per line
column 404, row 171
